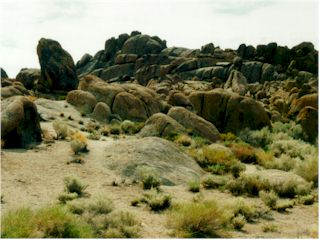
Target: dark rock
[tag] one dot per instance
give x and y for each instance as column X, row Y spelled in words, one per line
column 252, row 71
column 57, row 67
column 29, row 77
column 84, row 60
column 3, row 73
column 208, row 48
column 143, row 44
column 19, row 122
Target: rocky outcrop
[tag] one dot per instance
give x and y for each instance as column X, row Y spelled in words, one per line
column 58, row 71
column 228, row 111
column 19, row 122
column 11, row 88
column 129, row 101
column 3, row 73
column 29, row 77
column 197, row 124
column 177, row 98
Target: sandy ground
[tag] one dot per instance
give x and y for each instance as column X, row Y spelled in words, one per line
column 35, row 178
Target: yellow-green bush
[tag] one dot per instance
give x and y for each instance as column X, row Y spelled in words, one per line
column 198, row 220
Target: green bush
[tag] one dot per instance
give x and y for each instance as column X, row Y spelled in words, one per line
column 198, row 220
column 48, row 222
column 269, row 198
column 214, row 181
column 74, row 185
column 100, row 205
column 148, row 177
column 238, row 222
column 247, row 184
column 65, row 197
column 269, row 227
column 291, row 129
column 115, row 129
column 156, row 201
column 308, row 169
column 257, row 138
column 194, row 186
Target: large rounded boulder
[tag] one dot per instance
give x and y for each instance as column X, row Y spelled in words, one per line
column 29, row 77
column 58, row 71
column 84, row 101
column 228, row 111
column 197, row 124
column 19, row 122
column 143, row 44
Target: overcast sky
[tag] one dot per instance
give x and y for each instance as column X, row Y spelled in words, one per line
column 82, row 26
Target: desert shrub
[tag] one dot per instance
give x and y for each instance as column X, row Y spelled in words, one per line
column 149, row 177
column 183, row 140
column 94, row 135
column 228, row 137
column 214, row 181
column 78, row 143
column 239, row 207
column 257, row 138
column 65, row 197
column 198, row 220
column 100, row 205
column 238, row 222
column 291, row 188
column 74, row 185
column 291, row 129
column 194, row 186
column 92, row 127
column 247, row 184
column 48, row 222
column 293, row 148
column 77, row 206
column 197, row 155
column 307, row 200
column 308, row 169
column 156, row 201
column 269, row 198
column 130, row 127
column 200, row 141
column 282, row 205
column 115, row 129
column 2, row 198
column 135, row 202
column 61, row 129
column 269, row 227
column 219, row 160
column 121, row 224
column 244, row 152
column 105, row 131
column 265, row 159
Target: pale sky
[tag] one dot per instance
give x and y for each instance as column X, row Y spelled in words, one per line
column 82, row 26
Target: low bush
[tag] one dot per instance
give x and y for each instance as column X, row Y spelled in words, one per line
column 265, row 158
column 239, row 207
column 121, row 224
column 307, row 200
column 214, row 181
column 194, row 186
column 247, row 184
column 198, row 220
column 282, row 205
column 269, row 198
column 78, row 143
column 48, row 222
column 156, row 201
column 244, row 152
column 61, row 129
column 65, row 197
column 308, row 169
column 115, row 129
column 238, row 222
column 100, row 205
column 228, row 137
column 269, row 227
column 148, row 177
column 257, row 138
column 74, row 185
column 183, row 140
column 291, row 129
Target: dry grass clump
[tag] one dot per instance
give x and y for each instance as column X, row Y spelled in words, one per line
column 270, row 227
column 239, row 207
column 61, row 129
column 183, row 140
column 121, row 224
column 219, row 159
column 101, row 205
column 247, row 184
column 156, row 201
column 308, row 169
column 74, row 185
column 214, row 181
column 79, row 143
column 198, row 220
column 115, row 129
column 95, row 135
column 149, row 177
column 194, row 186
column 265, row 158
column 65, row 197
column 238, row 222
column 48, row 222
column 269, row 198
column 282, row 205
column 228, row 137
column 244, row 152
column 307, row 200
